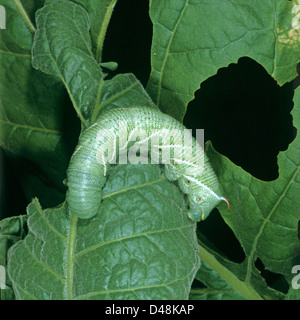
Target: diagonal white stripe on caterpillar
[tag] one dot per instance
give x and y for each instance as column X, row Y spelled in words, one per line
column 171, row 144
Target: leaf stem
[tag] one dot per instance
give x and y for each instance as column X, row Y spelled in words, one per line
column 241, row 287
column 24, row 15
column 103, row 30
column 98, row 106
column 79, row 114
column 70, row 256
column 209, row 291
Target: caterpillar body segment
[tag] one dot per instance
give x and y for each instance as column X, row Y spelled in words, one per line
column 167, row 141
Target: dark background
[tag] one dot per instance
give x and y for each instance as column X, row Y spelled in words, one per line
column 243, row 111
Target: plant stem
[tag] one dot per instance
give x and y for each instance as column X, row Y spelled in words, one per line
column 70, row 256
column 103, row 30
column 79, row 114
column 24, row 15
column 98, row 105
column 239, row 286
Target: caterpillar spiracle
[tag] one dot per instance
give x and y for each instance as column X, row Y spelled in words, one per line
column 101, row 144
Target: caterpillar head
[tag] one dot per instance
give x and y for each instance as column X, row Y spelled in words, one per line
column 200, row 207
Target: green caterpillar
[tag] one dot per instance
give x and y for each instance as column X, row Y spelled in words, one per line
column 101, row 144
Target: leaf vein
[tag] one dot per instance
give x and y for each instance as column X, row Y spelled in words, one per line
column 137, row 235
column 266, row 220
column 45, row 266
column 167, row 54
column 41, row 212
column 128, row 289
column 23, row 55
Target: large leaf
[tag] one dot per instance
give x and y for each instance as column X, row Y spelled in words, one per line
column 37, row 123
column 31, row 106
column 192, row 39
column 100, row 13
column 123, row 91
column 62, row 47
column 225, row 280
column 141, row 245
column 264, row 216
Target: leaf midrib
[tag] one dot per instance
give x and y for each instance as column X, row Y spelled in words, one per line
column 70, row 241
column 24, row 16
column 103, row 29
column 70, row 256
column 158, row 97
column 243, row 288
column 31, row 128
column 16, row 54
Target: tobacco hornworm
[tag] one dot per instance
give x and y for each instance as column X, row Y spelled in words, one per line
column 171, row 144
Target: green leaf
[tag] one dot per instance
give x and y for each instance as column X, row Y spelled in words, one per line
column 36, row 124
column 226, row 278
column 122, row 91
column 293, row 294
column 62, row 47
column 100, row 13
column 141, row 245
column 264, row 215
column 216, row 288
column 32, row 107
column 11, row 231
column 192, row 39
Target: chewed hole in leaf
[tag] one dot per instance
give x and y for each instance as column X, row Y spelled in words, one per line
column 274, row 280
column 218, row 233
column 246, row 115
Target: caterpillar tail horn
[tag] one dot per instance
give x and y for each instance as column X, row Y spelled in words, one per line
column 228, row 204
